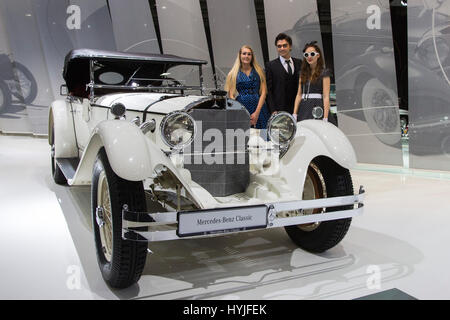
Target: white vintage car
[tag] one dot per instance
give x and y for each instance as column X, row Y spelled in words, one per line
column 164, row 163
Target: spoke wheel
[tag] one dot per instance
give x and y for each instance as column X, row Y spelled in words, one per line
column 325, row 178
column 26, row 85
column 104, row 213
column 121, row 262
column 314, row 188
column 380, row 109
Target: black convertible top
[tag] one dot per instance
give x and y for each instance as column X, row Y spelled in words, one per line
column 76, row 63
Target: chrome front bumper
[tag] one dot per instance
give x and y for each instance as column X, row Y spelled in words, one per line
column 265, row 216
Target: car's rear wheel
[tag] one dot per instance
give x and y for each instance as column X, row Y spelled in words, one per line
column 58, row 175
column 121, row 261
column 380, row 108
column 324, row 179
column 26, row 85
column 5, row 97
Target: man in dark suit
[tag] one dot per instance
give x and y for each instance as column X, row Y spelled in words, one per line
column 282, row 76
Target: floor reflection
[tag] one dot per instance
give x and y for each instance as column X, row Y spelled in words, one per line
column 253, row 265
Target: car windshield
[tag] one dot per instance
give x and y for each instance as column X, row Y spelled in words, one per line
column 141, row 75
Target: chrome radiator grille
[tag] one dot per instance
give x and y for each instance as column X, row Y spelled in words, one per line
column 218, row 159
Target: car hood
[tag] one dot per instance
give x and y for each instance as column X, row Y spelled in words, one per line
column 138, row 101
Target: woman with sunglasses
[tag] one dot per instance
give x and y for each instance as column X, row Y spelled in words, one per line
column 246, row 83
column 314, row 84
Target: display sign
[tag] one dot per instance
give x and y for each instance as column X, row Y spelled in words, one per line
column 221, row 220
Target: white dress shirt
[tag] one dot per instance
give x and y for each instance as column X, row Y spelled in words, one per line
column 283, row 62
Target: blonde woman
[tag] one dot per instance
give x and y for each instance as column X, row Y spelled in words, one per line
column 246, row 83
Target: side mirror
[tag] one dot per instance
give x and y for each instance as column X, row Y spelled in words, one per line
column 63, row 90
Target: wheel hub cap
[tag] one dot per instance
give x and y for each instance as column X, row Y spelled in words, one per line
column 104, row 217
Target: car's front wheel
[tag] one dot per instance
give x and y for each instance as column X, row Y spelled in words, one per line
column 121, row 261
column 324, row 179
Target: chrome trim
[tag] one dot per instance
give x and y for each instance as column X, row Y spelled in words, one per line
column 326, row 216
column 165, row 218
column 148, row 126
column 91, row 81
column 153, row 236
column 136, row 121
column 143, row 88
column 99, row 216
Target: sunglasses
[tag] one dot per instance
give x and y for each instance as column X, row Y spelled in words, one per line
column 312, row 54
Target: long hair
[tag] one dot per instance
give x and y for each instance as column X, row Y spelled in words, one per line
column 230, row 85
column 306, row 68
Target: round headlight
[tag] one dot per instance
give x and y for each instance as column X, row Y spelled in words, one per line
column 118, row 110
column 282, row 128
column 178, row 129
column 317, row 112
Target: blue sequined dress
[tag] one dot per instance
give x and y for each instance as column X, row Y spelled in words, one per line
column 248, row 89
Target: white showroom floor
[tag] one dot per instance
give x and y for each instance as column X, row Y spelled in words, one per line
column 47, row 251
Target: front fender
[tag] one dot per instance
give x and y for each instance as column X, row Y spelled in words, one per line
column 132, row 157
column 369, row 65
column 334, row 141
column 125, row 146
column 60, row 119
column 315, row 138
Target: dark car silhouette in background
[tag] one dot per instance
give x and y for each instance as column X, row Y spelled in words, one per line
column 367, row 71
column 15, row 81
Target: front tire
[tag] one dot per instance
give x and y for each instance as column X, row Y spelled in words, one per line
column 121, row 261
column 324, row 179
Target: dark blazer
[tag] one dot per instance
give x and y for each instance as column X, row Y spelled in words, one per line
column 281, row 87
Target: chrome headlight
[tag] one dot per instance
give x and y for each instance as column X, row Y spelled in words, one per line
column 281, row 128
column 317, row 112
column 178, row 129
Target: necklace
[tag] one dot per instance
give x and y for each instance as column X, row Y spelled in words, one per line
column 307, row 94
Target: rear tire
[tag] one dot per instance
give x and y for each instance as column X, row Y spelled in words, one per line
column 5, row 97
column 26, row 84
column 58, row 175
column 381, row 121
column 121, row 261
column 328, row 180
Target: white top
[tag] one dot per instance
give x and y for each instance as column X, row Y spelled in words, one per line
column 283, row 62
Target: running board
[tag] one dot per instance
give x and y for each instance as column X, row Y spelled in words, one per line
column 68, row 166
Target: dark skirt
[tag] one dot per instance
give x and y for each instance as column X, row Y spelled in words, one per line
column 306, row 107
